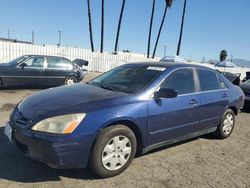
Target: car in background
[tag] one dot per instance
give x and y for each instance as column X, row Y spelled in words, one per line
column 247, row 77
column 234, row 78
column 245, row 86
column 225, row 64
column 131, row 109
column 41, row 71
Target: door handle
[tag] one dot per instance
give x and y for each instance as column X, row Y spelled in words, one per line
column 225, row 96
column 194, row 102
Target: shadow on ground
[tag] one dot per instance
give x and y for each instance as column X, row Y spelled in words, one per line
column 16, row 167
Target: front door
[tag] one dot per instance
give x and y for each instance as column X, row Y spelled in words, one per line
column 173, row 118
column 30, row 73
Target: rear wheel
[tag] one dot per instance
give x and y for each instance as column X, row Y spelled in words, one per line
column 113, row 151
column 70, row 80
column 1, row 83
column 226, row 125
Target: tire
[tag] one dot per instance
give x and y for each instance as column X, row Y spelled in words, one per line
column 113, row 151
column 1, row 83
column 226, row 126
column 70, row 80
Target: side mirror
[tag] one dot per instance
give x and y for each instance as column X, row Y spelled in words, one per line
column 165, row 93
column 23, row 65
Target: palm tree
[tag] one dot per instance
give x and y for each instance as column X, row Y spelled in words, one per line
column 90, row 28
column 223, row 55
column 102, row 27
column 119, row 27
column 167, row 5
column 181, row 31
column 150, row 28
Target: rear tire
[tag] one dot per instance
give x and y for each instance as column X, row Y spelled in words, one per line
column 1, row 83
column 70, row 80
column 113, row 151
column 226, row 126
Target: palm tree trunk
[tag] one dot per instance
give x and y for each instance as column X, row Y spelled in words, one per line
column 102, row 27
column 90, row 28
column 150, row 29
column 119, row 26
column 160, row 29
column 181, row 31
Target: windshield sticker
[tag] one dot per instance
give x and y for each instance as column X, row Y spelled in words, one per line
column 156, row 68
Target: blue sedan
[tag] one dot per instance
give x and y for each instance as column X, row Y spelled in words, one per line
column 131, row 109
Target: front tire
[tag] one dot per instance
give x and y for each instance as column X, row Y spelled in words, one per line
column 226, row 125
column 113, row 151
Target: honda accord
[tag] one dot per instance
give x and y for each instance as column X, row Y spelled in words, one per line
column 131, row 109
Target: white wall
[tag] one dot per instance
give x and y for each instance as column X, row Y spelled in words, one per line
column 97, row 61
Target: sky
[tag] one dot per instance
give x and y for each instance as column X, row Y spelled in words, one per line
column 210, row 26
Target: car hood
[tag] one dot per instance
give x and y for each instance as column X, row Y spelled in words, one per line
column 78, row 98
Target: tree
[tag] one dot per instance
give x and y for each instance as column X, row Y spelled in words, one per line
column 90, row 28
column 150, row 29
column 181, row 31
column 168, row 4
column 223, row 55
column 119, row 26
column 102, row 27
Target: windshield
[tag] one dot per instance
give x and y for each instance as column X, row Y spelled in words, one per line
column 128, row 79
column 17, row 60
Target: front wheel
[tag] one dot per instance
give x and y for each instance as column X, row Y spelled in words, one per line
column 113, row 151
column 226, row 125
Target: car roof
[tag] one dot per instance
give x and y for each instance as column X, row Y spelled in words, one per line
column 46, row 56
column 168, row 64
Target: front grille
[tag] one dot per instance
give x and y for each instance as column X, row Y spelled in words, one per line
column 18, row 119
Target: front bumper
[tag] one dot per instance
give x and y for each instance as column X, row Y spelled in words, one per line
column 56, row 151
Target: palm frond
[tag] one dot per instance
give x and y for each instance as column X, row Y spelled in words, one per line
column 169, row 3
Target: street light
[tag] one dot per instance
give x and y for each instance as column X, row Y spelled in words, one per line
column 60, row 35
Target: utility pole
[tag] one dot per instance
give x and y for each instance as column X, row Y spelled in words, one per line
column 231, row 58
column 60, row 35
column 33, row 37
column 8, row 34
column 165, row 50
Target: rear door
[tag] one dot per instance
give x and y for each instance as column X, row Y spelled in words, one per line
column 57, row 70
column 214, row 98
column 173, row 118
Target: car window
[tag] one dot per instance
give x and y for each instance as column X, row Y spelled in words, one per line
column 34, row 62
column 65, row 63
column 181, row 80
column 53, row 62
column 208, row 80
column 223, row 84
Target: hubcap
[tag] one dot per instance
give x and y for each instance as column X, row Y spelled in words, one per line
column 70, row 81
column 228, row 124
column 116, row 153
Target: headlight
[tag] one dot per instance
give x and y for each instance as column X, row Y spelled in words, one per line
column 60, row 124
